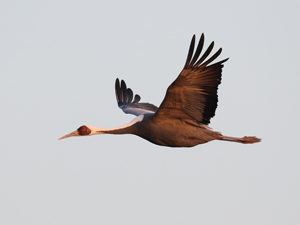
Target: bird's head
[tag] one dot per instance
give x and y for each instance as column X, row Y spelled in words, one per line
column 81, row 131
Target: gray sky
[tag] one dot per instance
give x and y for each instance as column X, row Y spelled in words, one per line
column 58, row 64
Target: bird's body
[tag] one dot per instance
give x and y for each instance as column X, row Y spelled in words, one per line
column 173, row 133
column 182, row 118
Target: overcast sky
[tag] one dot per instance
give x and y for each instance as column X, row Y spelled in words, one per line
column 58, row 64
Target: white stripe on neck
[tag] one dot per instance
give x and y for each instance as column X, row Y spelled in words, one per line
column 99, row 130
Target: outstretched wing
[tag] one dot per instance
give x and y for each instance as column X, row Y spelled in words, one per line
column 193, row 95
column 129, row 104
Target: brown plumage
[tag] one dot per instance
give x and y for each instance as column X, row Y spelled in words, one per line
column 193, row 95
column 189, row 104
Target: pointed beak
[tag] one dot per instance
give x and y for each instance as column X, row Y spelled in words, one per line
column 74, row 133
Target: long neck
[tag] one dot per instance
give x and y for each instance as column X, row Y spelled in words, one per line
column 129, row 128
column 118, row 130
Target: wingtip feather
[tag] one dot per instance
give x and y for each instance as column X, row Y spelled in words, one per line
column 190, row 52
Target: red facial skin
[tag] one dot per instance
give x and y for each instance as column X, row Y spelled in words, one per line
column 83, row 130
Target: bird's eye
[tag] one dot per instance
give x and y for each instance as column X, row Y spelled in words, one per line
column 83, row 130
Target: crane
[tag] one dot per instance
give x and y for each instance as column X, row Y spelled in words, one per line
column 182, row 118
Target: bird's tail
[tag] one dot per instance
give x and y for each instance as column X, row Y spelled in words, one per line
column 243, row 140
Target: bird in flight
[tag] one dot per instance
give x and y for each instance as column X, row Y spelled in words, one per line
column 182, row 118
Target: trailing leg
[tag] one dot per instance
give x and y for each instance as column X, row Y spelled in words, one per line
column 243, row 140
